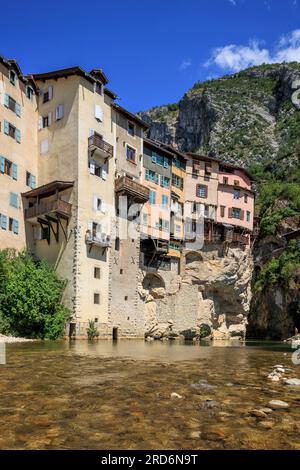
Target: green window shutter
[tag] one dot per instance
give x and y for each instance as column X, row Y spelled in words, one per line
column 6, row 127
column 3, row 222
column 13, row 199
column 18, row 109
column 2, row 164
column 14, row 171
column 33, row 182
column 6, row 100
column 15, row 226
column 18, row 136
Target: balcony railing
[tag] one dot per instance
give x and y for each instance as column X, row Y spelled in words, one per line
column 237, row 238
column 127, row 186
column 96, row 142
column 103, row 241
column 57, row 206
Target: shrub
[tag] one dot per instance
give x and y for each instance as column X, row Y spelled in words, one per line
column 30, row 297
column 92, row 331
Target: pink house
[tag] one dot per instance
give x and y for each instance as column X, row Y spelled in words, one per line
column 235, row 202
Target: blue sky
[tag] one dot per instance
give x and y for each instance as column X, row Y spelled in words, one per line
column 153, row 51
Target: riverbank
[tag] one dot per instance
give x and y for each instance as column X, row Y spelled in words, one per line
column 13, row 339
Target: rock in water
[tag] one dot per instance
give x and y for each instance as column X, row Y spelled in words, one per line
column 176, row 395
column 278, row 405
column 294, row 382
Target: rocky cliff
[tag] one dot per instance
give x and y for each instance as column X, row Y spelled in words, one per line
column 249, row 119
column 212, row 294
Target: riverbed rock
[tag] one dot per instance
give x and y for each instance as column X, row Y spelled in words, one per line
column 176, row 395
column 278, row 405
column 258, row 413
column 292, row 382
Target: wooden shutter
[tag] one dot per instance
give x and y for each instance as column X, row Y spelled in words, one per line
column 2, row 164
column 14, row 171
column 18, row 136
column 6, row 127
column 230, row 212
column 50, row 92
column 242, row 215
column 18, row 109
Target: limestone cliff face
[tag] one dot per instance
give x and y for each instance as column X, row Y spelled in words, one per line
column 244, row 118
column 214, row 289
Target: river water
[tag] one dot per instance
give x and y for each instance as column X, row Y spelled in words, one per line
column 105, row 395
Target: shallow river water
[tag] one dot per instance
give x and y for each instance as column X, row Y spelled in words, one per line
column 105, row 395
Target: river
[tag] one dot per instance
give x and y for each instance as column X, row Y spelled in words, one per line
column 105, row 395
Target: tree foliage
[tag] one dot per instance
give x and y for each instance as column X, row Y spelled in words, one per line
column 30, row 297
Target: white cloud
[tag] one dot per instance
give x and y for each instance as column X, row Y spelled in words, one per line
column 185, row 64
column 233, row 2
column 235, row 57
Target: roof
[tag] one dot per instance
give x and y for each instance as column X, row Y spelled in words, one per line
column 155, row 144
column 110, row 93
column 64, row 73
column 131, row 116
column 9, row 63
column 99, row 74
column 49, row 188
column 206, row 158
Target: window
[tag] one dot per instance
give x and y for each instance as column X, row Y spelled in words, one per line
column 248, row 216
column 208, row 168
column 96, row 272
column 164, row 181
column 117, row 244
column 177, row 181
column 131, row 129
column 236, row 213
column 236, row 183
column 194, row 207
column 29, row 92
column 10, row 103
column 201, row 191
column 8, row 168
column 12, row 77
column 13, row 200
column 225, row 180
column 98, row 113
column 151, row 176
column 13, row 225
column 165, row 201
column 45, row 234
column 96, row 298
column 196, row 166
column 206, row 211
column 145, row 219
column 177, row 228
column 222, row 211
column 245, row 198
column 48, row 94
column 152, row 197
column 130, row 154
column 206, row 178
column 236, row 194
column 3, row 222
column 59, row 112
column 121, row 271
column 179, row 163
column 45, row 121
column 99, row 88
column 160, row 160
column 163, row 225
column 126, row 297
column 98, row 204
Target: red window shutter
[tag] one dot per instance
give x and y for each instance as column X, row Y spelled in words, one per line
column 230, row 212
column 242, row 215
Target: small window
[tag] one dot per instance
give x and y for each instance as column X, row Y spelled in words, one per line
column 145, row 219
column 236, row 194
column 152, row 197
column 165, row 201
column 45, row 234
column 245, row 198
column 12, row 77
column 96, row 320
column 222, row 210
column 121, row 271
column 126, row 297
column 96, row 272
column 206, row 211
column 29, row 92
column 236, row 183
column 248, row 216
column 130, row 154
column 117, row 244
column 99, row 88
column 96, row 298
column 98, row 204
column 236, row 213
column 45, row 121
column 201, row 191
column 225, row 180
column 131, row 129
column 46, row 97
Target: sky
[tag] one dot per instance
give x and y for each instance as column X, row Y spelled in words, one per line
column 152, row 51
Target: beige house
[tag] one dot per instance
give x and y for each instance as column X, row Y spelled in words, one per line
column 18, row 150
column 69, row 219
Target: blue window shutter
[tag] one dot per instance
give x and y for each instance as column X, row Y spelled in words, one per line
column 166, row 163
column 153, row 158
column 6, row 127
column 147, row 174
column 13, row 199
column 6, row 100
column 3, row 222
column 14, row 171
column 2, row 164
column 15, row 226
column 18, row 109
column 33, row 182
column 18, row 136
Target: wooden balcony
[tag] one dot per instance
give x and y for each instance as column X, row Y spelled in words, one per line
column 99, row 147
column 128, row 187
column 237, row 238
column 57, row 207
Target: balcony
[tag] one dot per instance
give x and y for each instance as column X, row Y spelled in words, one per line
column 128, row 187
column 58, row 207
column 102, row 240
column 99, row 147
column 233, row 237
